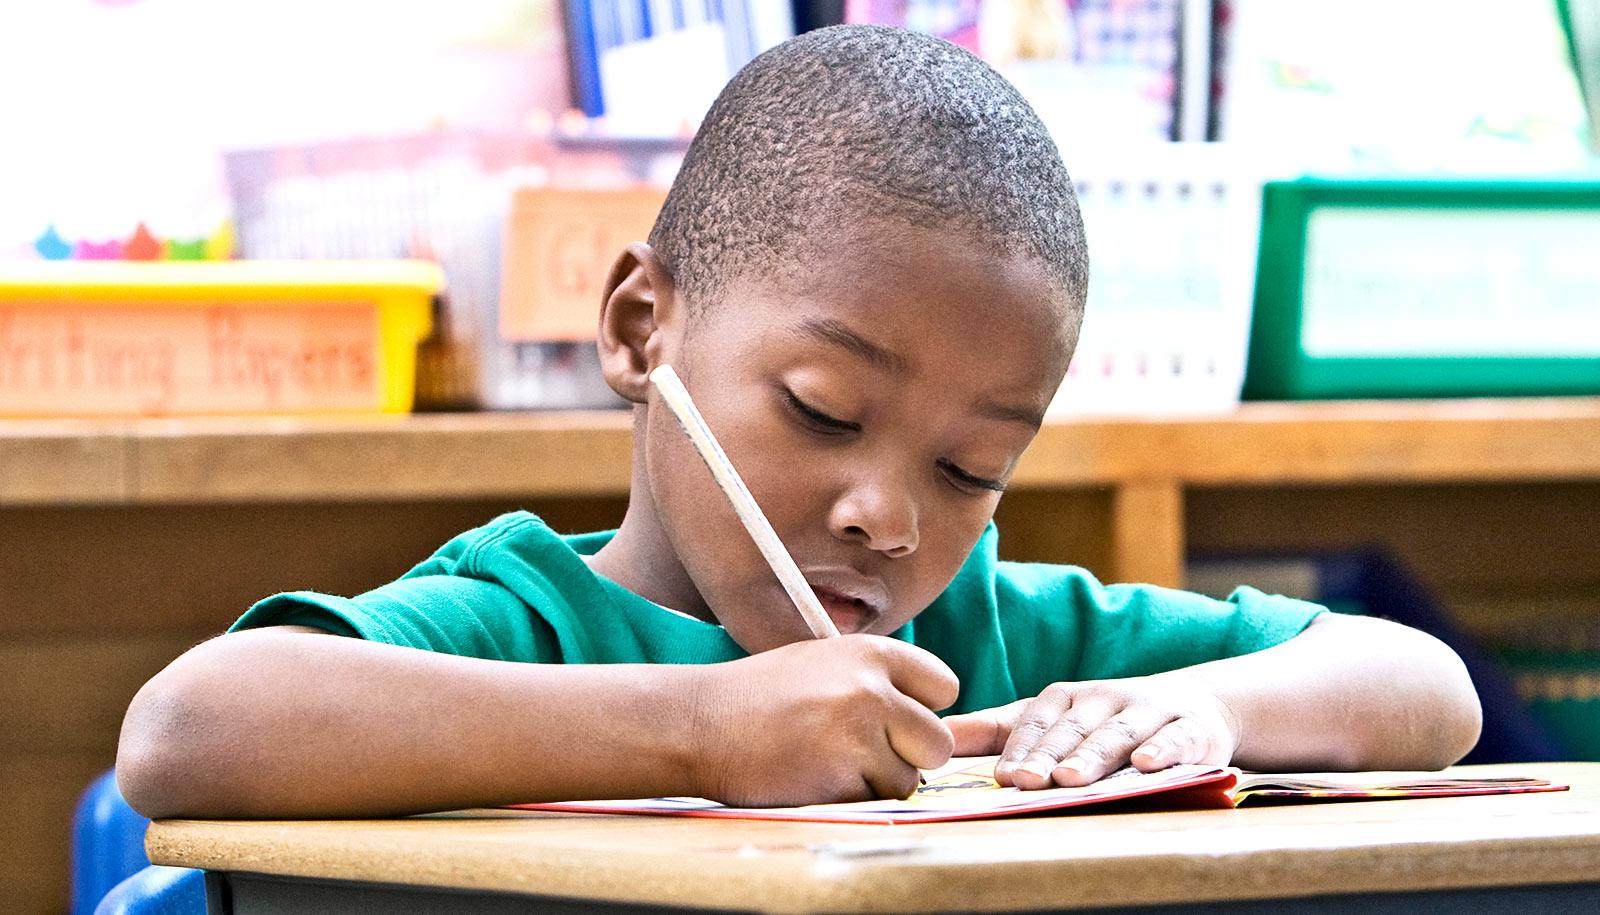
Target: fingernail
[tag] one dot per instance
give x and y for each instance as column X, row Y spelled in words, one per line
column 1074, row 764
column 1037, row 767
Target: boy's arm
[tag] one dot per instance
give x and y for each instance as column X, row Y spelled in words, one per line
column 294, row 722
column 1347, row 693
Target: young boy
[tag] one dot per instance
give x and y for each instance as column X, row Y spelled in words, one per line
column 870, row 273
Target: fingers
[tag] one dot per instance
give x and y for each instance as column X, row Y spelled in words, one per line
column 1047, row 733
column 919, row 738
column 1071, row 737
column 1059, row 712
column 1178, row 742
column 984, row 733
column 919, row 673
column 1108, row 747
column 914, row 739
column 894, row 784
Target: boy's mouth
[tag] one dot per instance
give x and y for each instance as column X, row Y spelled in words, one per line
column 853, row 605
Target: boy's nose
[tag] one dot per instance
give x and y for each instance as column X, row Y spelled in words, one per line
column 878, row 517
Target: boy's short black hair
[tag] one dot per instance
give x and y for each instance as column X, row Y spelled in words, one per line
column 865, row 121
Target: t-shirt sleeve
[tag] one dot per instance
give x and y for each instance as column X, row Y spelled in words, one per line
column 1063, row 624
column 432, row 608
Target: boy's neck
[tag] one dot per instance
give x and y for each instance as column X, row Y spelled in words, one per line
column 641, row 558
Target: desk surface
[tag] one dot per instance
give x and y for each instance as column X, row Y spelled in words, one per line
column 1061, row 861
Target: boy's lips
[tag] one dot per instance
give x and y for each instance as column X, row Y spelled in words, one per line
column 854, row 602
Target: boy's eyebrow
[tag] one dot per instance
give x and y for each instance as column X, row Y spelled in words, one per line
column 1033, row 419
column 829, row 330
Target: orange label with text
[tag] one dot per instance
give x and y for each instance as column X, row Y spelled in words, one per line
column 559, row 247
column 161, row 360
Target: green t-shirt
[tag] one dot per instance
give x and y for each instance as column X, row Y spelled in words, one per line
column 514, row 590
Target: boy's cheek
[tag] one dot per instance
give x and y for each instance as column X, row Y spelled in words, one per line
column 713, row 547
column 795, row 481
column 694, row 509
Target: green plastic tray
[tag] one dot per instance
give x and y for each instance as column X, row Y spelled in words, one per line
column 1397, row 334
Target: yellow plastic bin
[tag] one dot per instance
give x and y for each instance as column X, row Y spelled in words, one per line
column 86, row 338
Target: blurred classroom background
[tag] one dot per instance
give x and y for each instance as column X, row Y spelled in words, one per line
column 292, row 292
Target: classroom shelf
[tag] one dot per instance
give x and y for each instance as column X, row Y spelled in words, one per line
column 490, row 455
column 1146, row 463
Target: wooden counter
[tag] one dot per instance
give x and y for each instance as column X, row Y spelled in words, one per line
column 1052, row 862
column 451, row 456
column 1146, row 463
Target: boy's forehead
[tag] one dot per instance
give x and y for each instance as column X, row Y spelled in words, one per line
column 896, row 272
column 906, row 298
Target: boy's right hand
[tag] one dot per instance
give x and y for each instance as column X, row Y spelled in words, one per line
column 824, row 721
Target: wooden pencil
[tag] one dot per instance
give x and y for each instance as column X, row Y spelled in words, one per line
column 677, row 399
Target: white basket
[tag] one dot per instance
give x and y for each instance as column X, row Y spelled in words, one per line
column 1172, row 231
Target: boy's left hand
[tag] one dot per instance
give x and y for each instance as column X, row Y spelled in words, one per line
column 1075, row 733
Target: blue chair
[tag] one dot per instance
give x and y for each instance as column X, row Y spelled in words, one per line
column 107, row 843
column 157, row 890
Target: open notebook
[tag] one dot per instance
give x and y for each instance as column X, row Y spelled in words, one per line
column 965, row 789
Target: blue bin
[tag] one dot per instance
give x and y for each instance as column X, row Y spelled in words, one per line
column 107, row 843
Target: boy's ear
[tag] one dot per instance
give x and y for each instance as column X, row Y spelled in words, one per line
column 640, row 321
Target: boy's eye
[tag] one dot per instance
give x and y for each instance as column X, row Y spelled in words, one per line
column 829, row 425
column 970, row 481
column 817, row 419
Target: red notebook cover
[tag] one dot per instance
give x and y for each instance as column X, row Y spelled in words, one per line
column 966, row 790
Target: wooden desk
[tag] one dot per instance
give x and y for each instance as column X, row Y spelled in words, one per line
column 1520, row 852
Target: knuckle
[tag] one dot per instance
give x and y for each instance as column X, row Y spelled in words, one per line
column 1104, row 692
column 865, row 682
column 1073, row 730
column 1181, row 726
column 1184, row 730
column 1059, row 692
column 1201, row 741
column 1066, row 737
column 862, row 645
column 1092, row 752
column 1030, row 728
column 847, row 727
column 1188, row 742
column 1122, row 731
column 1164, row 739
column 872, row 650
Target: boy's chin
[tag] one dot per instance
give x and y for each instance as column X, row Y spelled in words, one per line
column 762, row 625
column 756, row 638
column 756, row 635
